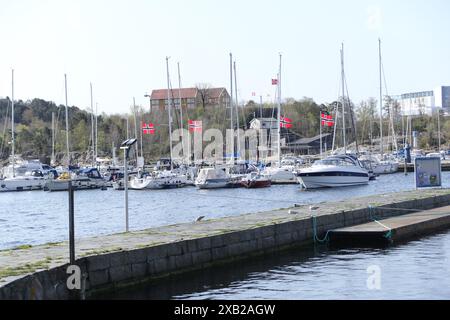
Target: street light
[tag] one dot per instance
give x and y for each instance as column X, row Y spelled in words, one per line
column 126, row 146
column 150, row 97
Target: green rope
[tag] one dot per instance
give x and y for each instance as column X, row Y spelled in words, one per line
column 316, row 238
column 374, row 218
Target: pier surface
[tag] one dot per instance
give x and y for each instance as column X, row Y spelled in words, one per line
column 118, row 260
column 392, row 229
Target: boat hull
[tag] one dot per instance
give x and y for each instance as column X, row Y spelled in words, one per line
column 63, row 185
column 254, row 184
column 25, row 184
column 314, row 180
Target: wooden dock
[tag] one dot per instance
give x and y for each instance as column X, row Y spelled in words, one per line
column 395, row 229
column 445, row 165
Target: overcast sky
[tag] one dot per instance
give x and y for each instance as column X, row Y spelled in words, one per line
column 120, row 46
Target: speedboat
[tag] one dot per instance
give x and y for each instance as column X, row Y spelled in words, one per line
column 381, row 166
column 334, row 171
column 281, row 174
column 255, row 180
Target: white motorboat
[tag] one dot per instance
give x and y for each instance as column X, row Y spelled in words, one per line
column 24, row 176
column 282, row 174
column 158, row 180
column 334, row 171
column 84, row 179
column 381, row 167
column 212, row 178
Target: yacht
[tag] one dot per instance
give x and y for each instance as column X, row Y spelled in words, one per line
column 83, row 179
column 334, row 171
column 158, row 180
column 24, row 176
column 381, row 166
column 213, row 178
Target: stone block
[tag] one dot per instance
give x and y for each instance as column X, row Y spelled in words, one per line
column 98, row 277
column 139, row 270
column 120, row 273
column 119, row 259
column 99, row 262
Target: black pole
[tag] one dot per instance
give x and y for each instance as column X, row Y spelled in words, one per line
column 71, row 224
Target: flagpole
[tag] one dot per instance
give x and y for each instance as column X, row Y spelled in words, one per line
column 181, row 108
column 231, row 104
column 320, row 133
column 279, row 115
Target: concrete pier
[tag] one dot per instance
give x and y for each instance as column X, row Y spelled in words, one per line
column 382, row 232
column 119, row 260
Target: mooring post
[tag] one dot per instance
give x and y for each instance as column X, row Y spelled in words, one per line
column 71, row 224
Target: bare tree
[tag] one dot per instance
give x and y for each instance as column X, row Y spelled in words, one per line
column 204, row 90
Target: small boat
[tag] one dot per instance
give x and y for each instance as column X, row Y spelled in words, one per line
column 84, row 179
column 255, row 180
column 334, row 171
column 212, row 178
column 158, row 180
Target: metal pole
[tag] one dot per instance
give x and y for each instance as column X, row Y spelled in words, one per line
column 320, row 133
column 135, row 124
column 439, row 130
column 96, row 132
column 71, row 225
column 260, row 106
column 181, row 108
column 238, row 147
column 67, row 123
column 125, row 178
column 92, row 129
column 343, row 100
column 12, row 125
column 169, row 101
column 231, row 103
column 279, row 115
column 381, row 101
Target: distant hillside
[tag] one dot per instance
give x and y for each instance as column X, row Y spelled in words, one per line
column 33, row 124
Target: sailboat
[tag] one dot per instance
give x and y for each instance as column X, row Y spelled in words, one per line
column 162, row 179
column 82, row 179
column 381, row 164
column 21, row 175
column 282, row 172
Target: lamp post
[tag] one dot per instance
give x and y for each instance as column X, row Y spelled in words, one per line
column 150, row 99
column 126, row 146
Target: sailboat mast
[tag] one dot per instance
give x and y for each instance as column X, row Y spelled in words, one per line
column 181, row 107
column 92, row 128
column 231, row 105
column 279, row 115
column 53, row 139
column 67, row 122
column 135, row 123
column 96, row 132
column 343, row 99
column 238, row 147
column 12, row 124
column 169, row 101
column 381, row 100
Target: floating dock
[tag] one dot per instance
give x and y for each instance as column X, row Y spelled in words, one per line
column 395, row 229
column 119, row 260
column 445, row 165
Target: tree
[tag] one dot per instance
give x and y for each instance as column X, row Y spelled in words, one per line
column 204, row 92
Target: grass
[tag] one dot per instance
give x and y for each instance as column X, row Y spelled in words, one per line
column 25, row 269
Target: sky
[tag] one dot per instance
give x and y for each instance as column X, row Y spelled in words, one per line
column 120, row 47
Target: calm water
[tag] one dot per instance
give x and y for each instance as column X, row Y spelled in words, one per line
column 419, row 269
column 38, row 217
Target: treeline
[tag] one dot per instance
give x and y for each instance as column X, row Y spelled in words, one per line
column 33, row 126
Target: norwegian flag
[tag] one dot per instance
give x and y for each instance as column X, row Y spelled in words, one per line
column 195, row 125
column 285, row 122
column 326, row 119
column 148, row 128
column 253, row 94
column 274, row 82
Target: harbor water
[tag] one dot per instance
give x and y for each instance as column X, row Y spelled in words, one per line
column 39, row 217
column 418, row 269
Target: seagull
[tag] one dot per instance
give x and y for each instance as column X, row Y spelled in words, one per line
column 199, row 219
column 313, row 208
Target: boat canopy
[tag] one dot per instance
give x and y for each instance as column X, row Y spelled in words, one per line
column 211, row 173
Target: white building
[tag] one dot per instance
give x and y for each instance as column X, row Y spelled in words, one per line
column 425, row 102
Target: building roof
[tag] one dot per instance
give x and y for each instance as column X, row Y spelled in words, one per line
column 186, row 93
column 305, row 141
column 215, row 93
